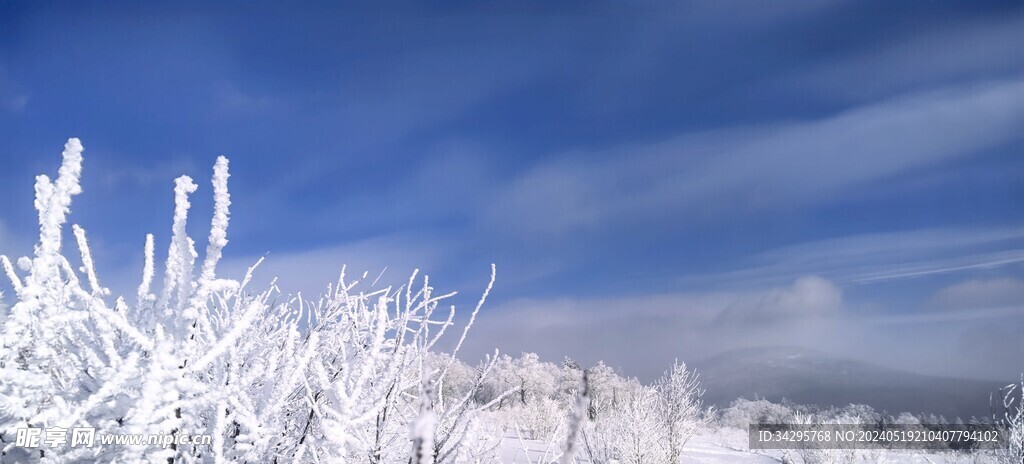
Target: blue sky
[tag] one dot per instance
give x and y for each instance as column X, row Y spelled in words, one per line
column 653, row 180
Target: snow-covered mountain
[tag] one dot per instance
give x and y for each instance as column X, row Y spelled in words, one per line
column 810, row 377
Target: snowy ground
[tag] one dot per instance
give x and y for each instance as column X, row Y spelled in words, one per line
column 724, row 446
column 702, row 449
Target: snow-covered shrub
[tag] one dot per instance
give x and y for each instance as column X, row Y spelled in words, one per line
column 856, row 413
column 681, row 410
column 634, row 423
column 1013, row 421
column 596, row 442
column 906, row 418
column 482, row 443
column 822, row 455
column 269, row 377
column 628, row 429
column 743, row 412
column 637, row 428
column 598, row 434
column 457, row 415
column 542, row 419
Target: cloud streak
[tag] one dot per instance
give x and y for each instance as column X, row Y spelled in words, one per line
column 877, row 257
column 947, row 53
column 788, row 165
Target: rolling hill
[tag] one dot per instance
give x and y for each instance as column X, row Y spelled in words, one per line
column 809, row 377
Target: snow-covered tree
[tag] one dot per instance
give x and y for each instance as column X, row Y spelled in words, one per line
column 682, row 411
column 527, row 376
column 743, row 412
column 535, row 379
column 269, row 377
column 626, row 424
column 542, row 419
column 607, row 389
column 567, row 381
column 636, row 427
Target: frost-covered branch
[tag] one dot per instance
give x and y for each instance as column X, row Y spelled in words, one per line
column 181, row 255
column 271, row 377
column 576, row 421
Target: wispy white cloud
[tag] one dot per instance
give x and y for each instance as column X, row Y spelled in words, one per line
column 948, row 52
column 391, row 100
column 978, row 294
column 650, row 39
column 789, row 165
column 878, row 257
column 809, row 296
column 973, row 262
